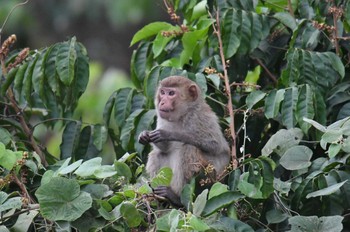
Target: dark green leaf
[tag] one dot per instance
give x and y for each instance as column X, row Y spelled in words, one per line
column 130, row 214
column 122, row 106
column 66, row 58
column 218, row 202
column 70, row 139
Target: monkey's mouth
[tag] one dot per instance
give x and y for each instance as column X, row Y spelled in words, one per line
column 165, row 113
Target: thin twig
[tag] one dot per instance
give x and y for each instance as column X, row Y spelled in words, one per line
column 217, row 31
column 9, row 14
column 272, row 77
column 290, row 8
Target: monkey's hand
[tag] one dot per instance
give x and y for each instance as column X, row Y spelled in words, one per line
column 157, row 136
column 165, row 191
column 144, row 137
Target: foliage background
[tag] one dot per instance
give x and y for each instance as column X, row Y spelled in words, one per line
column 275, row 72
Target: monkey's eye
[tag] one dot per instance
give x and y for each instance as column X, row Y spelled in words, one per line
column 162, row 92
column 171, row 93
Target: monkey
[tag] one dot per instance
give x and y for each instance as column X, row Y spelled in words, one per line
column 187, row 136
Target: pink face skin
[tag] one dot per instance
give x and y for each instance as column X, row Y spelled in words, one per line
column 166, row 103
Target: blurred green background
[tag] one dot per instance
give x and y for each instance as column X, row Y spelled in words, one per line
column 105, row 27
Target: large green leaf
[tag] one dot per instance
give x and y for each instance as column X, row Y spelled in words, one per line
column 150, row 30
column 70, row 139
column 242, row 31
column 65, row 61
column 199, row 203
column 122, row 106
column 130, row 214
column 254, row 97
column 272, row 103
column 282, row 140
column 229, row 224
column 220, row 201
column 288, row 107
column 314, row 223
column 61, row 199
column 326, row 191
column 297, row 157
column 305, row 107
column 128, row 128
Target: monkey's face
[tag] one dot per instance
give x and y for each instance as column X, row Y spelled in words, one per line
column 168, row 109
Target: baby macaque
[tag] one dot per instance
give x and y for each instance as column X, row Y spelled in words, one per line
column 187, row 138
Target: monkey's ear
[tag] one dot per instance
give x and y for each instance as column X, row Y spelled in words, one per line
column 193, row 91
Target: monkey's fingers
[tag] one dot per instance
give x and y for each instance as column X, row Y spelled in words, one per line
column 144, row 138
column 161, row 191
column 155, row 136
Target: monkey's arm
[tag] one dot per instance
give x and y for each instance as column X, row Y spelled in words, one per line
column 202, row 142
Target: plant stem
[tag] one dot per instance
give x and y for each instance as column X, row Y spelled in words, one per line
column 228, row 91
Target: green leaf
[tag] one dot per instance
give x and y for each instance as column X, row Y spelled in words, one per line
column 287, row 19
column 61, row 199
column 5, row 136
column 150, row 30
column 130, row 214
column 89, row 167
column 70, row 168
column 254, row 97
column 230, row 32
column 9, row 79
column 326, row 191
column 282, row 140
column 163, row 177
column 272, row 103
column 70, row 139
column 296, row 158
column 139, row 65
column 108, row 108
column 127, row 130
column 229, row 224
column 217, row 189
column 169, row 222
column 198, row 224
column 199, row 9
column 289, row 107
column 11, row 203
column 24, row 221
column 315, row 124
column 65, row 61
column 333, row 150
column 314, row 223
column 99, row 136
column 218, row 202
column 275, row 216
column 38, row 75
column 105, row 171
column 199, row 203
column 305, row 108
column 145, row 123
column 122, row 106
column 159, row 43
column 8, row 158
column 123, row 169
column 18, row 82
